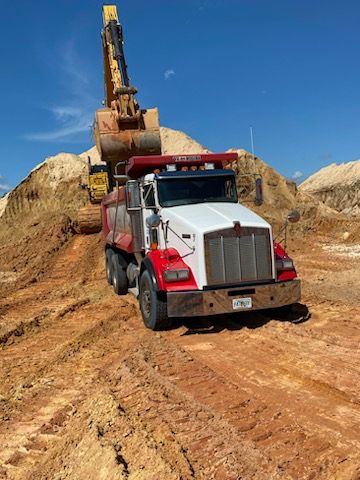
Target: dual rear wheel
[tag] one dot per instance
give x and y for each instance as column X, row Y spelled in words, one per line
column 153, row 305
column 115, row 272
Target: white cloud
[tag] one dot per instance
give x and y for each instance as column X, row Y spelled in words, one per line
column 77, row 115
column 71, row 64
column 64, row 113
column 3, row 185
column 169, row 73
column 76, row 125
column 297, row 175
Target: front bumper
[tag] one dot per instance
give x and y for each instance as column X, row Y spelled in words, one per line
column 214, row 302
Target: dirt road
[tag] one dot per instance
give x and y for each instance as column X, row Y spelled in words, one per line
column 86, row 392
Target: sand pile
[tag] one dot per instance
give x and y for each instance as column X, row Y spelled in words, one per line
column 337, row 186
column 280, row 196
column 38, row 216
column 174, row 142
column 52, row 186
column 3, row 203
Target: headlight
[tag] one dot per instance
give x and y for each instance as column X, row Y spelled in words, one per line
column 284, row 264
column 177, row 275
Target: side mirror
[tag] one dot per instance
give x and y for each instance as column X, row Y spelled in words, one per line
column 293, row 216
column 153, row 221
column 259, row 198
column 133, row 201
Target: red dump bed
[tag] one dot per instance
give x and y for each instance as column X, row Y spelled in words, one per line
column 140, row 166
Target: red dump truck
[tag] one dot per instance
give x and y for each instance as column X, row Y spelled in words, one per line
column 177, row 237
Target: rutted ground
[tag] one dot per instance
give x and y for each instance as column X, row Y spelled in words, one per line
column 86, row 392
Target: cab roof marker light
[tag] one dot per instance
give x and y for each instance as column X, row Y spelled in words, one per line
column 171, row 167
column 209, row 166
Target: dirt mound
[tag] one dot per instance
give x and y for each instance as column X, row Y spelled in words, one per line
column 337, row 186
column 280, row 193
column 52, row 186
column 280, row 196
column 38, row 216
column 174, row 141
column 32, row 252
column 3, row 203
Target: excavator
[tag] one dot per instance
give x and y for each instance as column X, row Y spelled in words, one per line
column 121, row 129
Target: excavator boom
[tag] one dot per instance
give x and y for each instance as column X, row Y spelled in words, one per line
column 122, row 129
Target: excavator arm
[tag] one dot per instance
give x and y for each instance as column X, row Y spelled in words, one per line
column 122, row 129
column 117, row 83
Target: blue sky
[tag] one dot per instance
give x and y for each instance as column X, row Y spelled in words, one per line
column 213, row 67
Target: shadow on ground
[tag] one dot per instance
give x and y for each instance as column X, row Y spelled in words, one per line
column 297, row 313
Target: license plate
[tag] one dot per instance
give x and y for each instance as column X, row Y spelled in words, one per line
column 242, row 303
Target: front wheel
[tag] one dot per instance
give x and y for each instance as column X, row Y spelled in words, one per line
column 153, row 309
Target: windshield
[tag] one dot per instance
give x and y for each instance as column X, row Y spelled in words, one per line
column 187, row 190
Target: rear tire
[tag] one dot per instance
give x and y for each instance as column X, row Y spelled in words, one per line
column 119, row 279
column 153, row 308
column 108, row 265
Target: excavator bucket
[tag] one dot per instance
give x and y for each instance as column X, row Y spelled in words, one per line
column 119, row 140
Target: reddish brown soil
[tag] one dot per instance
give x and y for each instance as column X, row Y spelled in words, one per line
column 86, row 392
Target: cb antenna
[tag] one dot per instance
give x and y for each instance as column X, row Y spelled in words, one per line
column 252, row 141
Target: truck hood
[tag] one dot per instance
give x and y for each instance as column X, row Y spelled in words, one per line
column 207, row 217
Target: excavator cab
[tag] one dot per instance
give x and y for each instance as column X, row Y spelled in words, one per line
column 98, row 182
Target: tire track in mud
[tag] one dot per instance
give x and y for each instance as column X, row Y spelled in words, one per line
column 86, row 390
column 287, row 446
column 34, row 383
column 305, row 425
column 210, row 446
column 38, row 394
column 27, row 307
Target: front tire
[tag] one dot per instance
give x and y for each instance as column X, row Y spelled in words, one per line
column 153, row 308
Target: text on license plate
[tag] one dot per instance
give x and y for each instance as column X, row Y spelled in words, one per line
column 240, row 303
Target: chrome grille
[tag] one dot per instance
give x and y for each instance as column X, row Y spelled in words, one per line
column 233, row 258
